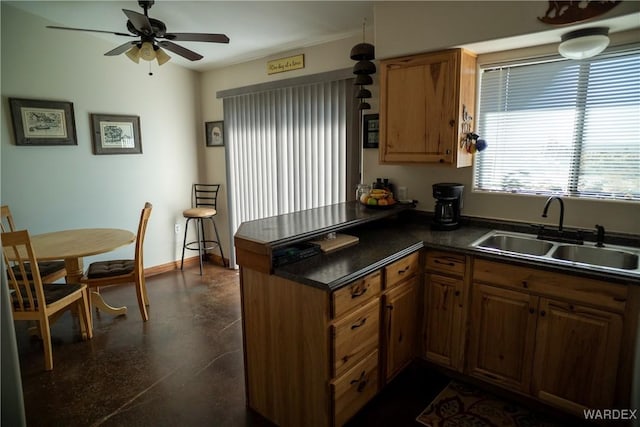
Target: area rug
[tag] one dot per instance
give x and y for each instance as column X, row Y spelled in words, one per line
column 461, row 405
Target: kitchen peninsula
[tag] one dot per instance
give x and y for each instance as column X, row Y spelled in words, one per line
column 324, row 334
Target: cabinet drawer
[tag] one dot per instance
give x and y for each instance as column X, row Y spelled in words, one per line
column 546, row 283
column 360, row 291
column 355, row 336
column 401, row 269
column 446, row 262
column 354, row 389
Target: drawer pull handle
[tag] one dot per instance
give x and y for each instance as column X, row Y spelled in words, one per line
column 362, row 382
column 360, row 323
column 358, row 292
column 618, row 299
column 450, row 264
column 404, row 270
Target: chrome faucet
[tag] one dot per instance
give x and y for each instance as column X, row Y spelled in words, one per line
column 546, row 207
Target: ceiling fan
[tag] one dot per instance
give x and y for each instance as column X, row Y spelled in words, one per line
column 149, row 30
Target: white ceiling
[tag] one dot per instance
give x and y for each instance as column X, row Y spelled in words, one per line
column 256, row 29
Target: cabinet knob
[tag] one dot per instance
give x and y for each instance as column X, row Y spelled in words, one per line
column 452, row 123
column 525, row 284
column 457, row 293
column 543, row 313
column 531, row 310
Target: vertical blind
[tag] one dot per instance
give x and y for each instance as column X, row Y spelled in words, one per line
column 562, row 127
column 286, row 150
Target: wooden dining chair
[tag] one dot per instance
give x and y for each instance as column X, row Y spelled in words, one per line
column 33, row 301
column 123, row 271
column 50, row 271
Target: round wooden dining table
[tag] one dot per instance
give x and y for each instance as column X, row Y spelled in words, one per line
column 73, row 245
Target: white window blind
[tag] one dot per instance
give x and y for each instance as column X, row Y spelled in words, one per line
column 286, row 149
column 562, row 127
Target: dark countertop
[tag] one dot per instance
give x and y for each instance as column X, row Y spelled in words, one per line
column 393, row 237
column 298, row 226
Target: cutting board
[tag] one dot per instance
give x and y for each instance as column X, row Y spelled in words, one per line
column 341, row 241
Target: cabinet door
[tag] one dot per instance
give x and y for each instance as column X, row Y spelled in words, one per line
column 418, row 108
column 576, row 357
column 502, row 336
column 424, row 102
column 401, row 325
column 443, row 332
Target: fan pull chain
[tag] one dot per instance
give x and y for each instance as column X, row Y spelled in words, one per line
column 150, row 73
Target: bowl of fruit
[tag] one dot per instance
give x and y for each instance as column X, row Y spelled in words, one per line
column 378, row 198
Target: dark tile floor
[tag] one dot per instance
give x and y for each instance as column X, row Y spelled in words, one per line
column 183, row 367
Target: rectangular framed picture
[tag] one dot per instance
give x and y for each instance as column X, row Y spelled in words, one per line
column 370, row 131
column 116, row 134
column 40, row 122
column 215, row 133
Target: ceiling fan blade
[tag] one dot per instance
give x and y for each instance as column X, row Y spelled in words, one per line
column 139, row 21
column 120, row 49
column 182, row 51
column 92, row 31
column 197, row 37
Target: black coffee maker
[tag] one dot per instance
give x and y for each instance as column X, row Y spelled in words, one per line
column 448, row 197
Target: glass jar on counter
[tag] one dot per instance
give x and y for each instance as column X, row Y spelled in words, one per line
column 362, row 190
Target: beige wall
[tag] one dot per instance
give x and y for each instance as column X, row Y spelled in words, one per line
column 413, row 27
column 59, row 187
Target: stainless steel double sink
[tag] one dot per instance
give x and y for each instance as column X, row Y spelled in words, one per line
column 608, row 258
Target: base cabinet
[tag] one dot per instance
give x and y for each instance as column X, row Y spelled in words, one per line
column 502, row 336
column 354, row 389
column 576, row 357
column 400, row 306
column 445, row 309
column 553, row 336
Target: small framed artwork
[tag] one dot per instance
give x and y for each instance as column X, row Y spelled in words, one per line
column 39, row 122
column 115, row 134
column 215, row 133
column 370, row 131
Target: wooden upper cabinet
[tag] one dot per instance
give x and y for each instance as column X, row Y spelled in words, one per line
column 422, row 101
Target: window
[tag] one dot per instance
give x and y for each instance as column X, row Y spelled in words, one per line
column 563, row 127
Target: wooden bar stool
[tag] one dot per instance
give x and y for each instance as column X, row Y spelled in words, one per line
column 204, row 198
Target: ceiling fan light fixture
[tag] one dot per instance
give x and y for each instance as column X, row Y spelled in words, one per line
column 147, row 51
column 162, row 57
column 584, row 43
column 134, row 54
